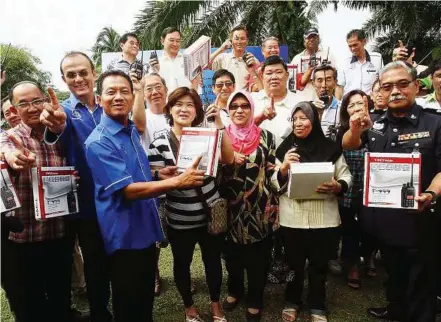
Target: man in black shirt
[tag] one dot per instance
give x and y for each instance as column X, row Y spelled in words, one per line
column 408, row 238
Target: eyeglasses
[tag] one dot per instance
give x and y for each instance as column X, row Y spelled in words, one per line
column 243, row 107
column 400, row 85
column 73, row 75
column 221, row 85
column 150, row 89
column 35, row 103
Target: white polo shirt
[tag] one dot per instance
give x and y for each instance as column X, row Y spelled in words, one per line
column 172, row 70
column 429, row 101
column 281, row 125
column 302, row 62
column 356, row 75
column 234, row 65
column 156, row 125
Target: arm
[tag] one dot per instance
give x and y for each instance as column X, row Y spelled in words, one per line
column 306, row 77
column 351, row 140
column 213, row 56
column 343, row 174
column 139, row 117
column 339, row 92
column 227, row 153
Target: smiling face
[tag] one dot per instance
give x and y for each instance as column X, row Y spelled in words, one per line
column 28, row 101
column 183, row 111
column 130, row 47
column 302, row 125
column 11, row 114
column 398, row 89
column 239, row 39
column 172, row 43
column 154, row 91
column 78, row 75
column 223, row 86
column 240, row 111
column 271, row 48
column 116, row 98
column 311, row 42
column 275, row 77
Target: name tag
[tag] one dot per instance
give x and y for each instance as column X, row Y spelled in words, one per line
column 413, row 136
column 371, row 71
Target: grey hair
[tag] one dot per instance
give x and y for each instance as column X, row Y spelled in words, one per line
column 399, row 64
column 157, row 75
column 270, row 38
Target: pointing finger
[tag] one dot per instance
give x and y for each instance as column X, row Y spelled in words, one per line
column 400, row 43
column 196, row 162
column 365, row 104
column 17, row 142
column 54, row 99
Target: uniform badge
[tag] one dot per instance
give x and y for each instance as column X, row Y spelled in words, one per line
column 76, row 115
column 413, row 136
column 413, row 117
column 378, row 126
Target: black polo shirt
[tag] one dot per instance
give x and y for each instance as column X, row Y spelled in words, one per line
column 402, row 227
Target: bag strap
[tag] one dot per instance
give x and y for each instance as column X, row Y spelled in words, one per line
column 203, row 201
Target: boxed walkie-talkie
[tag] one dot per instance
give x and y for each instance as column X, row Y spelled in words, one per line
column 55, row 192
column 8, row 193
column 392, row 180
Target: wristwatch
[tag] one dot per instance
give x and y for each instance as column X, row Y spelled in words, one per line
column 156, row 175
column 434, row 196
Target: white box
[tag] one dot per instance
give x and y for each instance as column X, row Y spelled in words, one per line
column 9, row 197
column 55, row 192
column 304, row 178
column 196, row 57
column 392, row 180
column 196, row 141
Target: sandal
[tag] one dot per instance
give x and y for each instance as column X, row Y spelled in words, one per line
column 289, row 314
column 229, row 306
column 196, row 318
column 354, row 283
column 219, row 319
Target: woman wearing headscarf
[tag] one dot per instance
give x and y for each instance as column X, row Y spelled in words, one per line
column 309, row 227
column 252, row 206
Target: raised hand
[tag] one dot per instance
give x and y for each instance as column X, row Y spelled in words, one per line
column 21, row 158
column 213, row 113
column 53, row 115
column 360, row 120
column 192, row 177
column 138, row 84
column 168, row 172
column 291, row 156
column 270, row 112
column 250, row 60
column 226, row 45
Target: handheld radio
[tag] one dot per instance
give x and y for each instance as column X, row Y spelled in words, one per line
column 138, row 66
column 7, row 195
column 408, row 191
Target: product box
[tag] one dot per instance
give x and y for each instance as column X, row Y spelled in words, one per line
column 196, row 141
column 304, row 178
column 392, row 180
column 292, row 78
column 196, row 57
column 55, row 191
column 9, row 197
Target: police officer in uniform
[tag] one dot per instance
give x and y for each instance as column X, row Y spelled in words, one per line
column 408, row 238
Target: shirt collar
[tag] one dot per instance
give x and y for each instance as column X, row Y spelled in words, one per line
column 431, row 97
column 355, row 59
column 412, row 116
column 75, row 102
column 334, row 103
column 113, row 126
column 167, row 57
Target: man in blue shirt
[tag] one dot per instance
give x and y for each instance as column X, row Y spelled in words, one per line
column 124, row 196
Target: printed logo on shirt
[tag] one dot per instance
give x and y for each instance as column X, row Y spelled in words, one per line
column 76, row 115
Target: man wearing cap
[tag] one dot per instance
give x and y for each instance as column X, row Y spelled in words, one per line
column 306, row 66
column 360, row 70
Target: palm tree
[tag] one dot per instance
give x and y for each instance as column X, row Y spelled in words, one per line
column 286, row 20
column 416, row 23
column 106, row 41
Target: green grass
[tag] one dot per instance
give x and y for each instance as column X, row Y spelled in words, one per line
column 344, row 304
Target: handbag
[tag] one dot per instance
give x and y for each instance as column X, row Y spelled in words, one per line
column 217, row 214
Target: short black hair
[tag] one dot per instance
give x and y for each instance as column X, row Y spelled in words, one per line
column 435, row 66
column 240, row 27
column 169, row 30
column 223, row 72
column 125, row 37
column 360, row 34
column 11, row 91
column 274, row 60
column 325, row 67
column 109, row 73
column 76, row 53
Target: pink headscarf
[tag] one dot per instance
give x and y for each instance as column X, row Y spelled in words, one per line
column 244, row 139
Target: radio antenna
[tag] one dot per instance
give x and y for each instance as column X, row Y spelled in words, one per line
column 411, row 173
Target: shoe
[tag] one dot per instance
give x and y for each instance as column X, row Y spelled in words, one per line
column 78, row 316
column 381, row 313
column 253, row 317
column 229, row 306
column 289, row 314
column 158, row 287
column 334, row 266
column 318, row 318
column 196, row 318
column 219, row 319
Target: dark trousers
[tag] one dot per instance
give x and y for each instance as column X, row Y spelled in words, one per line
column 254, row 259
column 96, row 268
column 36, row 278
column 410, row 288
column 183, row 243
column 132, row 274
column 316, row 245
column 350, row 235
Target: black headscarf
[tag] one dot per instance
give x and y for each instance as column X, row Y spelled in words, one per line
column 315, row 147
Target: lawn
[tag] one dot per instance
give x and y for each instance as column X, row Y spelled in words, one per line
column 344, row 304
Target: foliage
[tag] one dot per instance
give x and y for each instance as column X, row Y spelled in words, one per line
column 21, row 65
column 106, row 41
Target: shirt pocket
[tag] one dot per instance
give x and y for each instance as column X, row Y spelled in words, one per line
column 423, row 145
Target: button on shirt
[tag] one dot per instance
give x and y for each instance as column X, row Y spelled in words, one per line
column 172, row 70
column 397, row 226
column 117, row 152
column 281, row 125
column 234, row 65
column 356, row 75
column 331, row 116
column 80, row 123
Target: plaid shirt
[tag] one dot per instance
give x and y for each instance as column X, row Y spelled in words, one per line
column 355, row 161
column 46, row 156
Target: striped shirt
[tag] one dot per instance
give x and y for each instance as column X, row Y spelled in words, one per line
column 183, row 208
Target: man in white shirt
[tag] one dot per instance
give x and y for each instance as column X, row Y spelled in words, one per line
column 360, row 70
column 234, row 61
column 306, row 66
column 273, row 105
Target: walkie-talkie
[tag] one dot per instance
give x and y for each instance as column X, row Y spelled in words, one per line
column 7, row 195
column 408, row 192
column 71, row 200
column 313, row 60
column 138, row 66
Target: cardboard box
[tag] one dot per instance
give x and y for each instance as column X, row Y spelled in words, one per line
column 196, row 57
column 55, row 192
column 392, row 180
column 304, row 178
column 196, row 141
column 9, row 197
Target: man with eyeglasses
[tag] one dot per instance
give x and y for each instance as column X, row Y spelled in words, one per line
column 223, row 84
column 129, row 44
column 36, row 262
column 380, row 106
column 407, row 238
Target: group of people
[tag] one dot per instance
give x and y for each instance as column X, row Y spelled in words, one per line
column 122, row 133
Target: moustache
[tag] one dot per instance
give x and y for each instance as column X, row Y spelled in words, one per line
column 396, row 98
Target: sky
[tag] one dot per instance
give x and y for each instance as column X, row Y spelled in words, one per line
column 50, row 28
